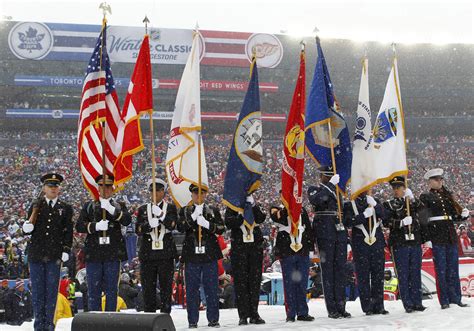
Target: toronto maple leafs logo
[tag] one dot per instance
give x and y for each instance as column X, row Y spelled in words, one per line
column 30, row 40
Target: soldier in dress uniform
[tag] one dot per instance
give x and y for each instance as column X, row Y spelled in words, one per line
column 405, row 241
column 157, row 249
column 201, row 224
column 293, row 254
column 440, row 213
column 331, row 237
column 104, row 246
column 364, row 215
column 50, row 226
column 246, row 258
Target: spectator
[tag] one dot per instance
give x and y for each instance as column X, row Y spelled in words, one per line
column 126, row 291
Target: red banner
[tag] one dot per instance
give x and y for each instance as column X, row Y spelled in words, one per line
column 293, row 153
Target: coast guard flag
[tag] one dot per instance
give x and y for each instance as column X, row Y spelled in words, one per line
column 139, row 100
column 389, row 132
column 99, row 108
column 322, row 108
column 293, row 152
column 245, row 164
column 182, row 164
column 363, row 165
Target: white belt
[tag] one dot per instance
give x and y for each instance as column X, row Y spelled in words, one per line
column 440, row 218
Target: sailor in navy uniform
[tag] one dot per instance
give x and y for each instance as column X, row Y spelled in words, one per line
column 331, row 237
column 293, row 253
column 246, row 258
column 50, row 243
column 440, row 213
column 200, row 255
column 157, row 247
column 405, row 240
column 105, row 245
column 364, row 215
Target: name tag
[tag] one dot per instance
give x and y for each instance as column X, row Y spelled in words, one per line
column 200, row 250
column 157, row 245
column 104, row 240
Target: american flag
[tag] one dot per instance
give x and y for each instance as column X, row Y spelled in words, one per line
column 99, row 106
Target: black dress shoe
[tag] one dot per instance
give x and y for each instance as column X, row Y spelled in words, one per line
column 380, row 312
column 290, row 319
column 193, row 325
column 256, row 320
column 214, row 324
column 445, row 306
column 462, row 304
column 243, row 321
column 368, row 313
column 345, row 314
column 409, row 310
column 419, row 308
column 306, row 318
column 334, row 315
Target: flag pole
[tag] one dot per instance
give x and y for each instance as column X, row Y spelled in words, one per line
column 105, row 8
column 199, row 187
column 395, row 72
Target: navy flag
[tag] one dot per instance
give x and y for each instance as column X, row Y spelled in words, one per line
column 245, row 164
column 322, row 108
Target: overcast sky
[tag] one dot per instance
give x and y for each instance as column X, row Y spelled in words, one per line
column 410, row 21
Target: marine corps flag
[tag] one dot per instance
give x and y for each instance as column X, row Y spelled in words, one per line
column 363, row 165
column 322, row 111
column 182, row 165
column 293, row 152
column 389, row 132
column 245, row 164
column 139, row 100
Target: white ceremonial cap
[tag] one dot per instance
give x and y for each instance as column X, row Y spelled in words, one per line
column 434, row 173
column 157, row 181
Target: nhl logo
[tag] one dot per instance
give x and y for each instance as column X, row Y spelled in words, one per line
column 30, row 40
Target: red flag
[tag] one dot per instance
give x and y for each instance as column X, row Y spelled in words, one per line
column 139, row 100
column 293, row 152
column 99, row 107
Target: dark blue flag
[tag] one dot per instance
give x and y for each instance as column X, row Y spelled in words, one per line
column 322, row 109
column 245, row 164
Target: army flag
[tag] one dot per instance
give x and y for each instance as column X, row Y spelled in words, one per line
column 245, row 163
column 363, row 166
column 322, row 111
column 139, row 100
column 293, row 151
column 389, row 132
column 182, row 166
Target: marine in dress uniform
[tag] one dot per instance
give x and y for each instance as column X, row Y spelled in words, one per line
column 200, row 256
column 368, row 250
column 440, row 213
column 293, row 254
column 246, row 256
column 331, row 237
column 104, row 246
column 157, row 247
column 50, row 243
column 405, row 240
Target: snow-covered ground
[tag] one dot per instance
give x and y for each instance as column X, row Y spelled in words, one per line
column 454, row 318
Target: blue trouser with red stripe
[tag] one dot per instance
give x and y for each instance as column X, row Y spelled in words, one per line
column 295, row 270
column 447, row 273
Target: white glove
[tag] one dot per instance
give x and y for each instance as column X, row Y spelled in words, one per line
column 409, row 194
column 156, row 210
column 464, row 213
column 28, row 227
column 406, row 221
column 65, row 257
column 105, row 204
column 429, row 244
column 368, row 212
column 250, row 200
column 335, row 179
column 311, row 255
column 203, row 222
column 154, row 222
column 102, row 225
column 371, row 201
column 197, row 211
